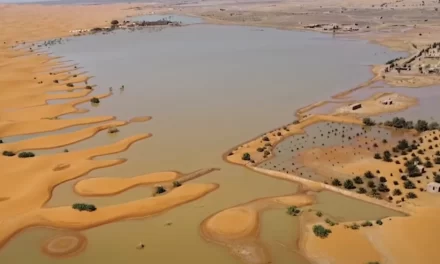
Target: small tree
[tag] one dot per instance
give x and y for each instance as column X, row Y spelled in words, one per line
column 293, row 210
column 321, row 231
column 358, row 180
column 397, row 192
column 336, row 182
column 348, row 184
column 411, row 195
column 246, row 156
column 368, row 121
column 361, row 190
column 369, row 175
column 409, row 185
column 387, row 156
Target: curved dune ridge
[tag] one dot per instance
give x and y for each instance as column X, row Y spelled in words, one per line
column 65, row 245
column 237, row 228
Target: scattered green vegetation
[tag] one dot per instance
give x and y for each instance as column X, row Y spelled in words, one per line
column 348, row 184
column 321, row 231
column 379, row 222
column 319, row 214
column 84, row 207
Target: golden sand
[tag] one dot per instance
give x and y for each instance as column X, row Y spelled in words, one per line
column 111, row 186
column 28, row 76
column 66, row 217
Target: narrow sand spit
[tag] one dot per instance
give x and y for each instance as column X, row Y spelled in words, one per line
column 66, row 217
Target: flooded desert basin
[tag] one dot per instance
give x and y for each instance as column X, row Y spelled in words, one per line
column 208, row 88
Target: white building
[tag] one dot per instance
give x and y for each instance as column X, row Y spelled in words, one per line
column 433, row 187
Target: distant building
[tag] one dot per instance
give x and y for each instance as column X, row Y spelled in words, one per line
column 356, row 106
column 433, row 187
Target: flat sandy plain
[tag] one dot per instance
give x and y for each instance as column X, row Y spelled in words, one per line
column 27, row 77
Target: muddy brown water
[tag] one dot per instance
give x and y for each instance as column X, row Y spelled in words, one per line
column 208, row 88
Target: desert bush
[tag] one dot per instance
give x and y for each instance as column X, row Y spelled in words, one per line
column 84, row 207
column 366, row 223
column 55, row 81
column 69, row 85
column 361, row 190
column 355, row 226
column 368, row 121
column 265, row 138
column 428, row 164
column 387, row 156
column 114, row 22
column 321, row 231
column 319, row 214
column 409, row 185
column 397, row 192
column 8, row 153
column 160, row 189
column 377, row 156
column 293, row 210
column 260, row 149
column 94, row 100
column 336, row 182
column 384, row 141
column 88, row 87
column 437, row 178
column 382, row 179
column 176, row 184
column 411, row 195
column 26, row 155
column 369, row 175
column 371, row 184
column 383, row 188
column 330, row 222
column 246, row 156
column 379, row 222
column 358, row 180
column 348, row 184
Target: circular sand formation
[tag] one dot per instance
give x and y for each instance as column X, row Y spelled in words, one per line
column 65, row 245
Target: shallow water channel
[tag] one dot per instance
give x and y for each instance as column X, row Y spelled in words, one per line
column 207, row 88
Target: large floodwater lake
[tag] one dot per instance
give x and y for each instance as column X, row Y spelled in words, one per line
column 208, row 88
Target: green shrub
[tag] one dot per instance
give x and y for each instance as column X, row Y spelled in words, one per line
column 8, row 153
column 94, row 100
column 368, row 122
column 409, row 185
column 387, row 156
column 319, row 214
column 160, row 189
column 336, row 182
column 371, row 184
column 377, row 156
column 84, row 207
column 348, row 184
column 321, row 231
column 358, row 180
column 411, row 195
column 355, row 226
column 246, row 156
column 369, row 175
column 361, row 190
column 176, row 184
column 397, row 192
column 379, row 222
column 26, row 155
column 330, row 222
column 367, row 223
column 293, row 210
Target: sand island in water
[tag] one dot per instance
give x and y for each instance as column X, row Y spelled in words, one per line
column 390, row 164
